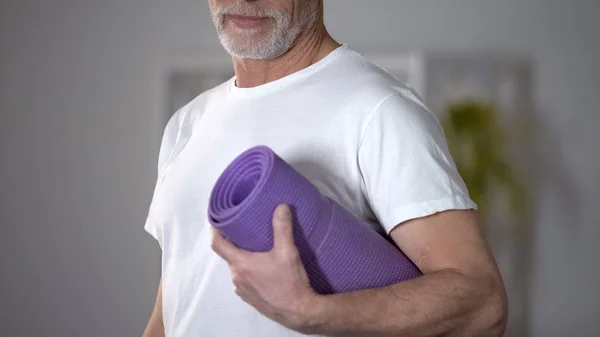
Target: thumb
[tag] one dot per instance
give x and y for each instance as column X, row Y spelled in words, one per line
column 283, row 228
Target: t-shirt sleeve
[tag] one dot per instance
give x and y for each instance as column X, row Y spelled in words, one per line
column 405, row 164
column 168, row 141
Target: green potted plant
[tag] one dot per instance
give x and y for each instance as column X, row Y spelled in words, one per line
column 477, row 142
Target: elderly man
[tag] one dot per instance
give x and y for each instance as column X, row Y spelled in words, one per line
column 367, row 141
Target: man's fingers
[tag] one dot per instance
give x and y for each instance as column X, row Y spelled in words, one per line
column 225, row 248
column 283, row 228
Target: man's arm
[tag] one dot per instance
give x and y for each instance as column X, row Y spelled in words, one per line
column 460, row 294
column 155, row 327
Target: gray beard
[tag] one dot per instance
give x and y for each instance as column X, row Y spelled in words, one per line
column 250, row 43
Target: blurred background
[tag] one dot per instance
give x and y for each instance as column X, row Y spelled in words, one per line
column 87, row 86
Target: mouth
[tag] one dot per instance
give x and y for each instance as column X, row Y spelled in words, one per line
column 246, row 22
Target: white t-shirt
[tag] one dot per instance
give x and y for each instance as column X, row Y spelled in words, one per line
column 362, row 137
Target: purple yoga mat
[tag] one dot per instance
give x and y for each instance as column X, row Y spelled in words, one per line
column 341, row 253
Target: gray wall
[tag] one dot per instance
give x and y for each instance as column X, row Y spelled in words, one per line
column 82, row 91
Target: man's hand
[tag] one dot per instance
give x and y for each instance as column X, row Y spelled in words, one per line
column 275, row 282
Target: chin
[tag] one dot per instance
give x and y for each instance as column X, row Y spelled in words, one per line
column 249, row 53
column 249, row 47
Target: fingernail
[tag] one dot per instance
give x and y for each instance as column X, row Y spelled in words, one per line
column 283, row 212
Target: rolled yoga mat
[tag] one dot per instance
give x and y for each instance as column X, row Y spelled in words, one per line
column 340, row 252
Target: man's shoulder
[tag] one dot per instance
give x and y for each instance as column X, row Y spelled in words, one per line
column 197, row 105
column 362, row 80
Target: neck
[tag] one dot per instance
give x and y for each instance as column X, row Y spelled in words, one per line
column 309, row 48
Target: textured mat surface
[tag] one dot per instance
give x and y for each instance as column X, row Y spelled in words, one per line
column 340, row 252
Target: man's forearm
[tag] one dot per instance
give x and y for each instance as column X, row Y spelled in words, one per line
column 444, row 303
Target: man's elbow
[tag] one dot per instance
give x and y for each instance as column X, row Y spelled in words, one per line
column 494, row 313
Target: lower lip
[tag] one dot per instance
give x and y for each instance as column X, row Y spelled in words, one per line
column 246, row 21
